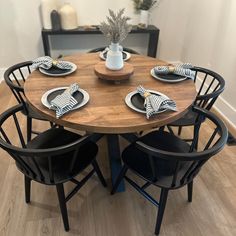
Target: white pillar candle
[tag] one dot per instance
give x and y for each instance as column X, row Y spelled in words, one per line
column 68, row 17
column 47, row 6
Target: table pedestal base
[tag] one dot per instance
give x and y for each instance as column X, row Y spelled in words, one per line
column 114, row 154
column 115, row 159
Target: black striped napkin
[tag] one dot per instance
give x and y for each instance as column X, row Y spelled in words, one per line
column 154, row 103
column 181, row 69
column 47, row 62
column 64, row 102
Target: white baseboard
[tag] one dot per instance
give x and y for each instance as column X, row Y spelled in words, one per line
column 227, row 113
column 225, row 110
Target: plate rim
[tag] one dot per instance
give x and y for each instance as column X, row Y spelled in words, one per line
column 164, row 80
column 128, row 55
column 44, row 71
column 84, row 102
column 130, row 105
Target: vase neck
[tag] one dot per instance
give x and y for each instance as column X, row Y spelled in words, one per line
column 114, row 46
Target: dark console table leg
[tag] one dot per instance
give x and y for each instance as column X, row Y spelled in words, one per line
column 46, row 45
column 152, row 44
column 115, row 159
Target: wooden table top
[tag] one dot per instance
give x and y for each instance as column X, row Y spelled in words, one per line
column 106, row 111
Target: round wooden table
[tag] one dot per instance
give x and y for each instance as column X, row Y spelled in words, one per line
column 106, row 111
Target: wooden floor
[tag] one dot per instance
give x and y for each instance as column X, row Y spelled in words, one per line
column 94, row 212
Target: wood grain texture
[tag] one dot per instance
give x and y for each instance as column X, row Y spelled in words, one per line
column 94, row 212
column 106, row 111
column 113, row 75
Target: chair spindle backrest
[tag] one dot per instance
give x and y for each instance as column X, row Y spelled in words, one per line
column 193, row 160
column 38, row 164
column 15, row 77
column 211, row 86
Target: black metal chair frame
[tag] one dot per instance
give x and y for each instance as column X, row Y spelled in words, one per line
column 205, row 98
column 197, row 159
column 37, row 172
column 18, row 91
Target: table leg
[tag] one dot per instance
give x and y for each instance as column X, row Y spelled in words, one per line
column 46, row 46
column 115, row 159
column 152, row 44
column 96, row 137
column 130, row 137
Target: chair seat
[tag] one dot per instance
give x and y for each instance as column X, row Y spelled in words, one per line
column 61, row 163
column 187, row 120
column 139, row 162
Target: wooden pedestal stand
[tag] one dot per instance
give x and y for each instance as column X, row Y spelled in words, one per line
column 113, row 75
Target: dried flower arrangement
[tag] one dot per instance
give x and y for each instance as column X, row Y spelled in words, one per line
column 145, row 4
column 116, row 29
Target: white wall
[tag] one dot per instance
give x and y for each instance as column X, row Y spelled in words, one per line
column 201, row 32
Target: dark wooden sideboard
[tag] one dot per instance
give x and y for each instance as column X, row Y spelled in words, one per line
column 151, row 30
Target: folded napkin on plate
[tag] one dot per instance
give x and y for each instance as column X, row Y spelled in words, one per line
column 154, row 103
column 47, row 62
column 181, row 69
column 64, row 102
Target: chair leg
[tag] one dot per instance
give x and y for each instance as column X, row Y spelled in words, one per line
column 62, row 202
column 170, row 129
column 99, row 173
column 162, row 205
column 119, row 178
column 190, row 191
column 180, row 130
column 27, row 189
column 29, row 128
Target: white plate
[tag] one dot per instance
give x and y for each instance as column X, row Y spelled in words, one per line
column 130, row 104
column 166, row 80
column 46, row 103
column 46, row 72
column 128, row 55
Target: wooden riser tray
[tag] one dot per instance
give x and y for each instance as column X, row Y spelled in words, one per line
column 113, row 75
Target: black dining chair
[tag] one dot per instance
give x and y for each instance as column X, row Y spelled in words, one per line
column 168, row 162
column 53, row 157
column 15, row 76
column 100, row 49
column 210, row 87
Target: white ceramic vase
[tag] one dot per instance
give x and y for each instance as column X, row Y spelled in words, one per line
column 68, row 17
column 114, row 60
column 144, row 18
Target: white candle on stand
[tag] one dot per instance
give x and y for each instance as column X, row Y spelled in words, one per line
column 47, row 6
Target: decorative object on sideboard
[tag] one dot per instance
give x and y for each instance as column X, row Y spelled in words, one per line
column 47, row 6
column 143, row 7
column 144, row 19
column 56, row 20
column 68, row 17
column 115, row 30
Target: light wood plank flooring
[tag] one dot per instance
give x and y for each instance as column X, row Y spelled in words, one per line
column 94, row 212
